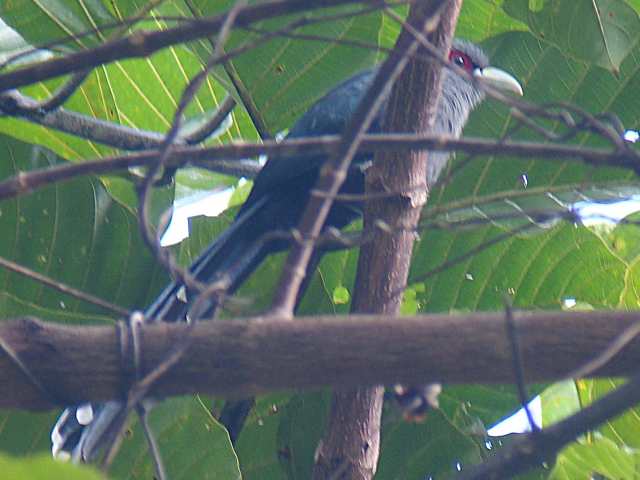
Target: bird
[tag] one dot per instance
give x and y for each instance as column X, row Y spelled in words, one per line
column 275, row 204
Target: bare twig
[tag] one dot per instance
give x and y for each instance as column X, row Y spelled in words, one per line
column 115, row 135
column 154, row 449
column 201, row 134
column 61, row 287
column 518, row 369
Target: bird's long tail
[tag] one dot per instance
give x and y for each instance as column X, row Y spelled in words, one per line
column 82, row 431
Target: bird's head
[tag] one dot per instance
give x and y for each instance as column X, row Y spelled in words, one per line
column 475, row 62
column 459, row 95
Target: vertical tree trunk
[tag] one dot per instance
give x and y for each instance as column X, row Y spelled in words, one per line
column 351, row 444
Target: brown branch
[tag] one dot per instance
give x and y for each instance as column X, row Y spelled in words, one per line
column 94, row 129
column 351, row 442
column 221, row 158
column 246, row 357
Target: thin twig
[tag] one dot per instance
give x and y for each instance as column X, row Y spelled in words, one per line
column 90, row 128
column 211, row 125
column 154, row 449
column 518, row 369
column 604, row 357
column 61, row 287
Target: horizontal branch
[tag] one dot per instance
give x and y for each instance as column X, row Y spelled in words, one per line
column 84, row 126
column 221, row 157
column 244, row 357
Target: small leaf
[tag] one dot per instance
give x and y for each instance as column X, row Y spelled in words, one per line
column 341, row 295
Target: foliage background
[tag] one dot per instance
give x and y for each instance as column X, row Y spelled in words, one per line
column 84, row 232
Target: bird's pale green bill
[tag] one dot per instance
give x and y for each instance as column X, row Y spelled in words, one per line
column 498, row 79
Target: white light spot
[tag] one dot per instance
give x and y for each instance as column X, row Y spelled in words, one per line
column 468, row 276
column 182, row 294
column 518, row 422
column 524, row 179
column 605, row 214
column 84, row 414
column 569, row 302
column 631, row 136
column 210, row 204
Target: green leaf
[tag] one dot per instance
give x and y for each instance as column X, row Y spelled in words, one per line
column 624, row 430
column 559, row 401
column 282, row 77
column 481, row 19
column 600, row 457
column 602, row 32
column 192, row 443
column 536, row 271
column 141, row 94
column 435, row 448
column 259, row 446
column 341, row 295
column 43, row 22
column 74, row 233
column 43, row 467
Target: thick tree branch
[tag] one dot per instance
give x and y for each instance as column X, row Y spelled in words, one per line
column 245, row 357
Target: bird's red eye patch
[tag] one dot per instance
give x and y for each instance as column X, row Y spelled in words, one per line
column 461, row 59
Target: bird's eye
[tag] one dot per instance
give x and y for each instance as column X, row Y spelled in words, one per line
column 461, row 60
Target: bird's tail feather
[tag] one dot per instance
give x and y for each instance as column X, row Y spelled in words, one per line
column 231, row 258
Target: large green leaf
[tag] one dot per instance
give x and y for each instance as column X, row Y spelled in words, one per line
column 141, row 94
column 482, row 19
column 536, row 271
column 75, row 233
column 624, row 430
column 282, row 76
column 602, row 32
